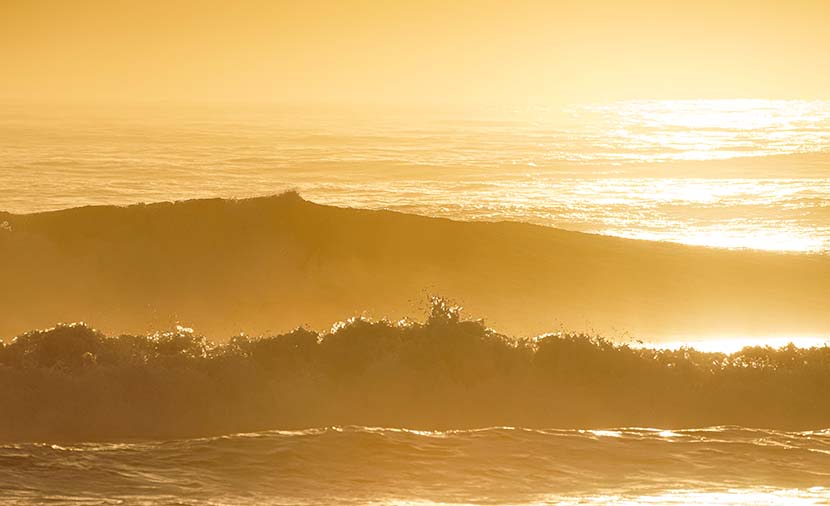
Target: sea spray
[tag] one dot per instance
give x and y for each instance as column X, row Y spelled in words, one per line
column 72, row 382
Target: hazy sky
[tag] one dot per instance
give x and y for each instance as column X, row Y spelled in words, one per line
column 514, row 52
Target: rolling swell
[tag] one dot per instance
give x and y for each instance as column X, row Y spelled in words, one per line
column 267, row 265
column 73, row 383
column 373, row 465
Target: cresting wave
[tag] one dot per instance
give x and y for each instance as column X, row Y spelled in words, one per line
column 268, row 265
column 73, row 383
column 384, row 466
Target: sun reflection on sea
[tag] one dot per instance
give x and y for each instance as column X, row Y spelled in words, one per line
column 761, row 496
column 659, row 130
column 721, row 173
column 770, row 240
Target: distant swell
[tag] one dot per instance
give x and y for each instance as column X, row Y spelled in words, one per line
column 71, row 382
column 267, row 265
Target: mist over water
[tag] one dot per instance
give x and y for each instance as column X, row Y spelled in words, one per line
column 725, row 173
column 283, row 253
column 446, row 411
column 71, row 383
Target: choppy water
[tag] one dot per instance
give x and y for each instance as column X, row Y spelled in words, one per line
column 732, row 173
column 361, row 465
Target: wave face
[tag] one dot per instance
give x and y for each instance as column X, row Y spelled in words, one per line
column 355, row 465
column 73, row 383
column 267, row 265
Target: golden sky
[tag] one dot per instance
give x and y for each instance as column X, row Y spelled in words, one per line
column 511, row 52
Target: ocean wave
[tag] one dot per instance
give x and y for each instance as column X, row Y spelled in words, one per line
column 266, row 265
column 72, row 382
column 385, row 466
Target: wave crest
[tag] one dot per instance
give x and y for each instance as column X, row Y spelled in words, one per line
column 72, row 381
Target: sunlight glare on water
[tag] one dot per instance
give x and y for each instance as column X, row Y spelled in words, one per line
column 732, row 497
column 654, row 130
column 749, row 497
column 721, row 173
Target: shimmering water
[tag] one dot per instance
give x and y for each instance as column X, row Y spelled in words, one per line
column 363, row 465
column 720, row 173
column 730, row 173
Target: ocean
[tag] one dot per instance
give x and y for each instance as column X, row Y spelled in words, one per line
column 722, row 173
column 738, row 174
column 355, row 465
column 92, row 420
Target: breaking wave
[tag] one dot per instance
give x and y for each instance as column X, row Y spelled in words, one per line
column 72, row 382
